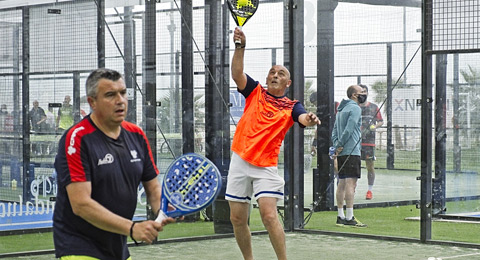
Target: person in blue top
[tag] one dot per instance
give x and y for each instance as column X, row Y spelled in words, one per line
column 346, row 138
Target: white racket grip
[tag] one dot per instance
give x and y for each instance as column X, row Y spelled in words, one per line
column 238, row 42
column 161, row 216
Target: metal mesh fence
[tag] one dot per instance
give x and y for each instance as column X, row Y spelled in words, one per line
column 10, row 106
column 62, row 49
column 454, row 25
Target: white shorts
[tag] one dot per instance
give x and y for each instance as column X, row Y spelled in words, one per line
column 245, row 179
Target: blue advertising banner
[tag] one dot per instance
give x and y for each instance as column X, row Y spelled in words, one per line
column 238, row 104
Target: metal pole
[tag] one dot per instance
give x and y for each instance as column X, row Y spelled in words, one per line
column 323, row 175
column 25, row 103
column 439, row 188
column 149, row 74
column 188, row 124
column 457, row 149
column 294, row 148
column 101, row 33
column 129, row 54
column 390, row 145
column 426, row 131
column 171, row 28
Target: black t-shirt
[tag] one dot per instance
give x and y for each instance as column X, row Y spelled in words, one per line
column 35, row 116
column 370, row 116
column 115, row 168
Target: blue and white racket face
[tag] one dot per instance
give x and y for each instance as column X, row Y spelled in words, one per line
column 190, row 184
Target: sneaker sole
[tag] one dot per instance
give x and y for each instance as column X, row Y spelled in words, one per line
column 354, row 226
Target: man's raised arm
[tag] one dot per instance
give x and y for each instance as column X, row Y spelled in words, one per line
column 237, row 61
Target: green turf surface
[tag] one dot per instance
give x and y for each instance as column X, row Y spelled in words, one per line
column 381, row 221
column 300, row 246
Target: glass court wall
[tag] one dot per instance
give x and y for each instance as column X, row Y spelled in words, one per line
column 49, row 48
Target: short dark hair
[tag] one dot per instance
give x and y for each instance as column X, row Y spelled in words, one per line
column 364, row 87
column 98, row 74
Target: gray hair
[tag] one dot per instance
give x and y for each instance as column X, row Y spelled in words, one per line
column 98, row 74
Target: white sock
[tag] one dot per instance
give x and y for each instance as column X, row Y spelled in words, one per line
column 341, row 214
column 370, row 187
column 349, row 213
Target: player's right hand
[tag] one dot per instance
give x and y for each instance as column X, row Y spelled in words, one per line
column 238, row 35
column 147, row 231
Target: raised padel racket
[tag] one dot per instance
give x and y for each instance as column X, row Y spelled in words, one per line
column 241, row 11
column 191, row 183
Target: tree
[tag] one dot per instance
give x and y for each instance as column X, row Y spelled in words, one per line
column 380, row 89
column 164, row 116
column 309, row 90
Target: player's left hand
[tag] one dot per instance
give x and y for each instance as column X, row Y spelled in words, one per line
column 168, row 221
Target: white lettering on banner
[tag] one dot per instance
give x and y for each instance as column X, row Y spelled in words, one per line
column 238, row 104
column 236, row 99
column 29, row 208
column 43, row 207
column 46, row 183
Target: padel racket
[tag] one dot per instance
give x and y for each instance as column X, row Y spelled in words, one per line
column 191, row 183
column 241, row 11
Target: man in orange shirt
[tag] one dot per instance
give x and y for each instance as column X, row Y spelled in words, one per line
column 267, row 116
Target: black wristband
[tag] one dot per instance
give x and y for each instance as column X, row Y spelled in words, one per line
column 131, row 234
column 240, row 46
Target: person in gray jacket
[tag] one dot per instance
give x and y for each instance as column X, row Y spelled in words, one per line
column 346, row 138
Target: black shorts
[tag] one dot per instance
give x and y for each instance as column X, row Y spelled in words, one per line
column 349, row 166
column 368, row 153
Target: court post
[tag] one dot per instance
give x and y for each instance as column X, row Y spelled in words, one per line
column 217, row 130
column 390, row 145
column 294, row 147
column 149, row 66
column 426, row 131
column 439, row 187
column 323, row 175
column 188, row 118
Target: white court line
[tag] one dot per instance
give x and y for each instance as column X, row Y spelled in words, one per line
column 457, row 256
column 26, row 223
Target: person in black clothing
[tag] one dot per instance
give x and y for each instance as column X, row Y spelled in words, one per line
column 37, row 123
column 100, row 163
column 37, row 117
